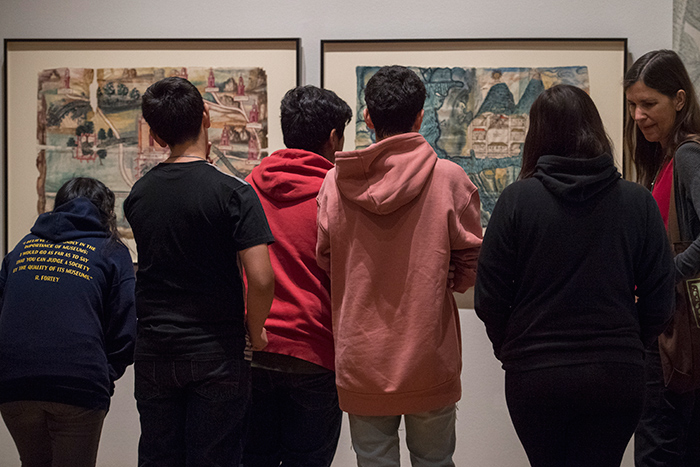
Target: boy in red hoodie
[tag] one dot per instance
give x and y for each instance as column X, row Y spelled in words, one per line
column 391, row 219
column 296, row 419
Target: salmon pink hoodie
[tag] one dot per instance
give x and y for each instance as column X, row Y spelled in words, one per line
column 391, row 218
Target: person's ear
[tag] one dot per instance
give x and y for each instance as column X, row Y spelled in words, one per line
column 158, row 139
column 419, row 121
column 337, row 140
column 368, row 119
column 206, row 119
column 680, row 100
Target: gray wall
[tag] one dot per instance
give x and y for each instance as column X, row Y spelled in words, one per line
column 485, row 436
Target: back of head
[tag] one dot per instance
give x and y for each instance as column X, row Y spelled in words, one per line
column 309, row 114
column 395, row 96
column 97, row 192
column 664, row 72
column 173, row 108
column 564, row 122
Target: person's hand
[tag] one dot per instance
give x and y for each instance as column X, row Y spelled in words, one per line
column 451, row 276
column 258, row 341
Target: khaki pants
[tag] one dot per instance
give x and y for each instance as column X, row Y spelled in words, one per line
column 50, row 434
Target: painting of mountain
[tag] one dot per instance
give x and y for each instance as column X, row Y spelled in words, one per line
column 477, row 118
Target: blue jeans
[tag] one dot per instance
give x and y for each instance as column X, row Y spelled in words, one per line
column 430, row 437
column 192, row 413
column 668, row 435
column 295, row 420
column 54, row 434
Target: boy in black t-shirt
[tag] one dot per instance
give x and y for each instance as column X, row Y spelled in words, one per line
column 193, row 226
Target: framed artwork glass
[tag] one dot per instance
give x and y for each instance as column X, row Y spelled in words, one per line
column 479, row 92
column 73, row 108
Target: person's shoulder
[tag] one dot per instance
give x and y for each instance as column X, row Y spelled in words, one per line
column 688, row 154
column 217, row 178
column 631, row 186
column 452, row 173
column 526, row 185
column 118, row 253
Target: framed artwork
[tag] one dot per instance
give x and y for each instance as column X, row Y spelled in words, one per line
column 479, row 93
column 73, row 108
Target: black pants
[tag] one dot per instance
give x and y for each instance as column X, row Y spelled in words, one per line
column 668, row 434
column 295, row 420
column 578, row 415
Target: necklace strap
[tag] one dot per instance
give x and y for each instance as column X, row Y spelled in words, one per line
column 183, row 156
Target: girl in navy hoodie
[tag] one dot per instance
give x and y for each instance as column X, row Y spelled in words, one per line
column 67, row 327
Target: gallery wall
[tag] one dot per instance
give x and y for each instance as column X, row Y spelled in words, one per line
column 485, row 436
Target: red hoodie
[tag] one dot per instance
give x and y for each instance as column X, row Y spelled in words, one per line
column 299, row 324
column 391, row 218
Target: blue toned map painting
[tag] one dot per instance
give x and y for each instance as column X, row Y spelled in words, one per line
column 477, row 118
column 90, row 125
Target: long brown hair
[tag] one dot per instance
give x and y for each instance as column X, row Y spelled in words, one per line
column 563, row 122
column 664, row 72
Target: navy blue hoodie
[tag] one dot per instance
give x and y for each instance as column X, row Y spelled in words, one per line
column 67, row 316
column 575, row 268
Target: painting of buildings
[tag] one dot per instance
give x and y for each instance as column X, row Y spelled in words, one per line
column 477, row 118
column 90, row 124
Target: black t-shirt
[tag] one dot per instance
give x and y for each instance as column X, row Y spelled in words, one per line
column 190, row 220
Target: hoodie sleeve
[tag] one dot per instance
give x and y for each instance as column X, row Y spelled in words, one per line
column 120, row 323
column 466, row 243
column 687, row 173
column 654, row 277
column 494, row 291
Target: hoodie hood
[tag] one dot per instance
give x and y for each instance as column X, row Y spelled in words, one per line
column 290, row 175
column 78, row 218
column 576, row 180
column 387, row 175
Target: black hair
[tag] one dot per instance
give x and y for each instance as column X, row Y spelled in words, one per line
column 564, row 121
column 309, row 114
column 98, row 194
column 173, row 108
column 395, row 96
column 664, row 72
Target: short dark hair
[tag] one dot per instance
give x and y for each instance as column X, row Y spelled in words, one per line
column 564, row 122
column 308, row 114
column 663, row 71
column 98, row 193
column 395, row 96
column 173, row 108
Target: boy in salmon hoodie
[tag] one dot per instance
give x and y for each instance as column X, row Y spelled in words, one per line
column 296, row 419
column 391, row 219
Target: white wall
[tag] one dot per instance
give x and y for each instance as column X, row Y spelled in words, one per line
column 485, row 436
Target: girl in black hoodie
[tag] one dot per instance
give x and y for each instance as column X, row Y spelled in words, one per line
column 575, row 276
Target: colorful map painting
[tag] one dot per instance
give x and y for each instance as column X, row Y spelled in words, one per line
column 90, row 125
column 686, row 37
column 477, row 118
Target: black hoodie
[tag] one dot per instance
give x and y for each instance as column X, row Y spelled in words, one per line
column 563, row 257
column 67, row 316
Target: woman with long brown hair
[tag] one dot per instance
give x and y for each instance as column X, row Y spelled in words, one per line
column 663, row 136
